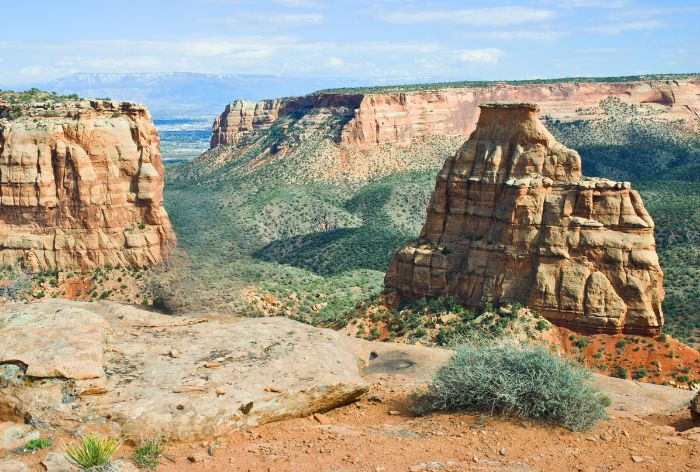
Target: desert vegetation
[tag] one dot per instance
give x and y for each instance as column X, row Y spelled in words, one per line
column 147, row 454
column 92, row 451
column 526, row 382
column 14, row 104
column 442, row 322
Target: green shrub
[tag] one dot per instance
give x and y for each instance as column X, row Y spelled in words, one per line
column 92, row 451
column 516, row 382
column 542, row 325
column 639, row 374
column 34, row 445
column 620, row 373
column 147, row 454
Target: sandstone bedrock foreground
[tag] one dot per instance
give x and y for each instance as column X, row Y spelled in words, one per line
column 81, row 186
column 513, row 219
column 74, row 367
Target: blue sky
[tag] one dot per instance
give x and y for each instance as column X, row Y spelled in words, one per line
column 402, row 39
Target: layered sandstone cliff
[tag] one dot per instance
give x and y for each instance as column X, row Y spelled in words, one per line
column 512, row 219
column 242, row 116
column 81, row 186
column 383, row 118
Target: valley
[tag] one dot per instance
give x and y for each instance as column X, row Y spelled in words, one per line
column 350, row 236
column 245, row 299
column 307, row 214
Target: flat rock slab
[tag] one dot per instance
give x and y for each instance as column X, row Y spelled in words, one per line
column 640, row 398
column 29, row 337
column 57, row 462
column 171, row 377
column 417, row 364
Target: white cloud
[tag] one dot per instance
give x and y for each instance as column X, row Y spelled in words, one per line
column 498, row 16
column 335, row 62
column 271, row 54
column 618, row 28
column 483, row 56
column 647, row 12
column 31, row 70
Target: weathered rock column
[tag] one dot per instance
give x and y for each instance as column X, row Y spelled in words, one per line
column 513, row 219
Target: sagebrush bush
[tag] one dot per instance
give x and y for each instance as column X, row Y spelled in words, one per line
column 525, row 382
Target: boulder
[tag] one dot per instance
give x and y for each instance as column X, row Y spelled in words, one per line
column 109, row 367
column 512, row 219
column 57, row 462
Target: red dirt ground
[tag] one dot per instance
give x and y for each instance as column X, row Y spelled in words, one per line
column 383, row 436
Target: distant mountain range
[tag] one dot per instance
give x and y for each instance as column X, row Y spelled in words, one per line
column 188, row 94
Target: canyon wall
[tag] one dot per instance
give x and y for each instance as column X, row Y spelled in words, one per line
column 242, row 116
column 81, row 186
column 383, row 118
column 513, row 220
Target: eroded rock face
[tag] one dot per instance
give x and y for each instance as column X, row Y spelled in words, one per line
column 398, row 118
column 241, row 116
column 134, row 372
column 512, row 219
column 81, row 186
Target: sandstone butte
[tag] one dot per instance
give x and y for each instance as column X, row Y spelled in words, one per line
column 81, row 186
column 513, row 219
column 399, row 117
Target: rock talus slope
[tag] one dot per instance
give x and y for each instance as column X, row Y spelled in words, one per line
column 513, row 219
column 81, row 186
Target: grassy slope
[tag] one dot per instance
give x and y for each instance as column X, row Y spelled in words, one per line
column 284, row 228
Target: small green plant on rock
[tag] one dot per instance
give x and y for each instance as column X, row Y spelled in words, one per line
column 92, row 451
column 147, row 454
column 34, row 445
